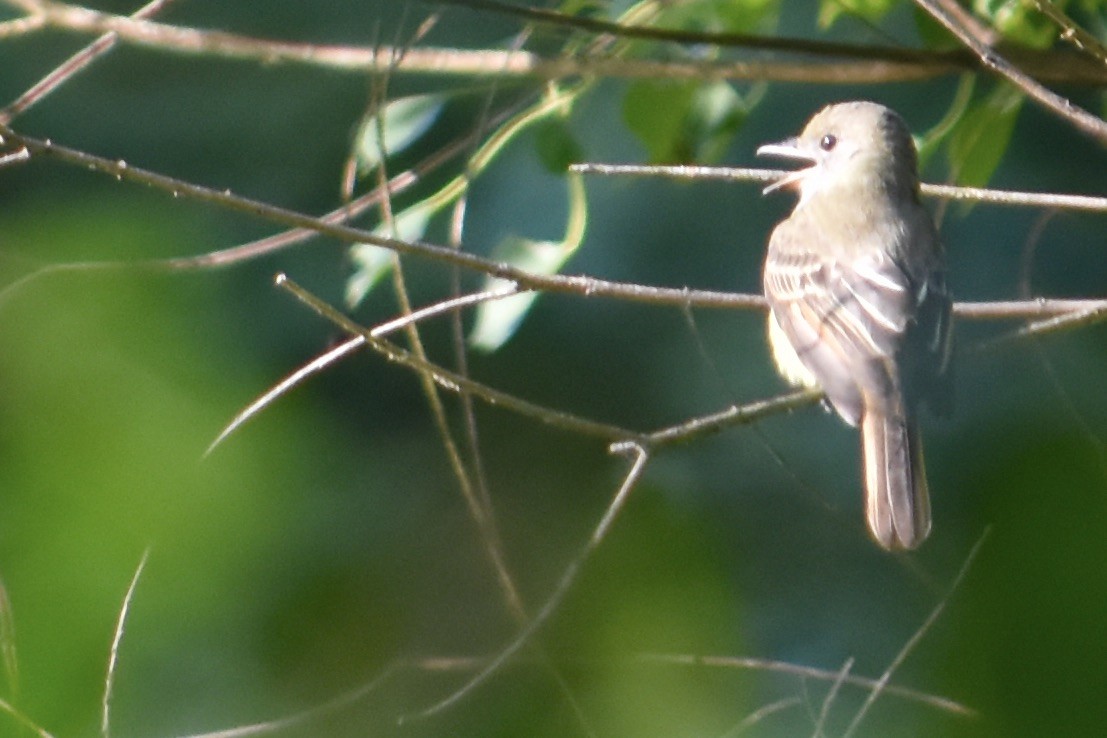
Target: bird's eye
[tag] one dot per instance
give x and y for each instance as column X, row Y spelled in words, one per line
column 828, row 142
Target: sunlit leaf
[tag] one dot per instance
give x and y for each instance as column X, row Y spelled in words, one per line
column 717, row 112
column 498, row 320
column 748, row 16
column 980, row 138
column 402, row 122
column 1017, row 20
column 735, row 16
column 930, row 143
column 870, row 10
column 371, row 263
column 932, row 33
column 683, row 122
column 656, row 112
column 557, row 148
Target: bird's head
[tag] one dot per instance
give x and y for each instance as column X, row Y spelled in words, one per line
column 850, row 147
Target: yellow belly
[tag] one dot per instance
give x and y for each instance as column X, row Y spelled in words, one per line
column 787, row 360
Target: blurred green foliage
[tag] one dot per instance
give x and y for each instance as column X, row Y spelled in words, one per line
column 326, row 545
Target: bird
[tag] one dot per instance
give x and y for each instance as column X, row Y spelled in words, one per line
column 855, row 281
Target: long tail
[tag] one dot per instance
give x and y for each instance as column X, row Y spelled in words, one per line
column 897, row 501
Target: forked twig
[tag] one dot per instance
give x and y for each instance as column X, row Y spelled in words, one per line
column 928, row 623
column 347, row 347
column 809, row 672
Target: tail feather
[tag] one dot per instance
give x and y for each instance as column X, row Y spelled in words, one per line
column 896, row 495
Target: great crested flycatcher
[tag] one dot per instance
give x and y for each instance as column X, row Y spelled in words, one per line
column 855, row 280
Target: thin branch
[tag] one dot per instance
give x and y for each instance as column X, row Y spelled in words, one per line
column 809, row 672
column 7, row 644
column 558, row 283
column 745, row 414
column 117, row 639
column 13, row 157
column 831, row 695
column 681, row 433
column 1041, row 307
column 1067, row 321
column 347, row 347
column 22, row 26
column 279, row 725
column 761, row 713
column 23, row 720
column 453, row 381
column 766, row 176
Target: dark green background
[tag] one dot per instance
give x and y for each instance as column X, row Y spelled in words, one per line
column 327, row 540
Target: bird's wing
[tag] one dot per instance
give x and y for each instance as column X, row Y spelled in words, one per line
column 846, row 318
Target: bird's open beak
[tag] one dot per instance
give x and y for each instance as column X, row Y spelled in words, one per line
column 787, row 149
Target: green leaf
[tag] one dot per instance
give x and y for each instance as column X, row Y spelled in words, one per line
column 931, row 142
column 932, row 33
column 498, row 320
column 557, row 148
column 684, row 122
column 655, row 112
column 748, row 16
column 869, row 10
column 372, row 263
column 980, row 138
column 733, row 16
column 716, row 113
column 402, row 122
column 1016, row 20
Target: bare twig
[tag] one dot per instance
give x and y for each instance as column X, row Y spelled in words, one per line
column 1066, row 321
column 808, row 672
column 832, row 693
column 882, row 683
column 7, row 643
column 948, row 192
column 26, row 722
column 453, row 381
column 117, row 639
column 280, row 725
column 761, row 713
